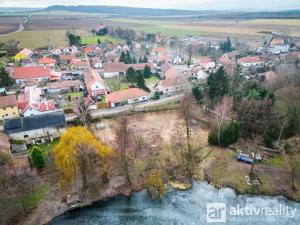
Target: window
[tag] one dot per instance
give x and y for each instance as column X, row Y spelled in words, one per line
column 25, row 136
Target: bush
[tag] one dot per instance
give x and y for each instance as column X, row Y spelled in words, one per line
column 37, row 157
column 197, row 93
column 155, row 184
column 229, row 134
column 156, row 95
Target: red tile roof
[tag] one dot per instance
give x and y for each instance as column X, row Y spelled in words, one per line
column 67, row 57
column 172, row 81
column 171, row 73
column 124, row 95
column 89, row 49
column 91, row 76
column 114, row 67
column 205, row 60
column 9, row 100
column 32, row 72
column 67, row 84
column 165, row 67
column 250, row 59
column 47, row 61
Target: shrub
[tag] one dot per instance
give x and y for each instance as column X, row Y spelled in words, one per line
column 229, row 134
column 37, row 157
column 155, row 184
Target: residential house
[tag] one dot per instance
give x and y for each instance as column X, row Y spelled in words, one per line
column 47, row 62
column 66, row 59
column 65, row 86
column 207, row 63
column 278, row 46
column 32, row 102
column 40, row 73
column 8, row 107
column 159, row 54
column 250, row 61
column 89, row 50
column 97, row 63
column 127, row 96
column 165, row 67
column 170, row 73
column 24, row 54
column 113, row 69
column 4, row 143
column 78, row 64
column 46, row 126
column 200, row 75
column 228, row 58
column 171, row 85
column 94, row 83
column 177, row 60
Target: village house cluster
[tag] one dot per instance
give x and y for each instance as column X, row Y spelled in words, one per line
column 51, row 82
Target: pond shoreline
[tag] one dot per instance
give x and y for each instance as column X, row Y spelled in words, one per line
column 119, row 194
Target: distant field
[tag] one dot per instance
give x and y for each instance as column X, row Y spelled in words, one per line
column 36, row 39
column 9, row 23
column 91, row 40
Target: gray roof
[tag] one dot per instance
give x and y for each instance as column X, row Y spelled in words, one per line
column 34, row 122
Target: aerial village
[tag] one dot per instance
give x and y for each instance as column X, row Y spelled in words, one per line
column 52, row 87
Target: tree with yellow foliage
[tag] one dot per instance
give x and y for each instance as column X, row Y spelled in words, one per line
column 77, row 151
column 155, row 184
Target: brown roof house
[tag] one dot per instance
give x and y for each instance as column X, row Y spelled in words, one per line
column 127, row 96
column 8, row 107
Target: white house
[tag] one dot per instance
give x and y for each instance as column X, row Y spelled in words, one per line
column 127, row 96
column 94, row 83
column 46, row 126
column 250, row 61
column 175, row 84
column 177, row 60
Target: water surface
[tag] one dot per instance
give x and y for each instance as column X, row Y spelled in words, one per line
column 184, row 208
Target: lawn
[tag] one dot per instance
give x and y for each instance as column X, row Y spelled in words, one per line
column 116, row 83
column 276, row 161
column 74, row 95
column 37, row 39
column 49, row 146
column 152, row 80
column 92, row 40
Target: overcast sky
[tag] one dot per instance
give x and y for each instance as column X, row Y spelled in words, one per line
column 178, row 4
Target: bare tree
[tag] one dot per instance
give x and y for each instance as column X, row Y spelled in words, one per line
column 254, row 147
column 139, row 141
column 221, row 113
column 186, row 114
column 81, row 109
column 122, row 139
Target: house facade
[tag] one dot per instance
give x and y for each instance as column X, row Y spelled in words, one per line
column 47, row 126
column 168, row 86
column 94, row 83
column 250, row 61
column 8, row 107
column 128, row 96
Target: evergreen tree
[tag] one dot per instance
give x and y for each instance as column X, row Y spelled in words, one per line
column 145, row 59
column 131, row 75
column 197, row 93
column 140, row 60
column 147, row 72
column 123, row 57
column 128, row 58
column 98, row 41
column 5, row 79
column 140, row 81
column 218, row 84
column 226, row 46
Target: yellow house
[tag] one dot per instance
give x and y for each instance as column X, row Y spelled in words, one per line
column 24, row 54
column 8, row 107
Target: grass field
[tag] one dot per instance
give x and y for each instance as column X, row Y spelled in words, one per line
column 152, row 80
column 92, row 40
column 37, row 39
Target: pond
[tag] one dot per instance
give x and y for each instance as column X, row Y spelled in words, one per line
column 202, row 204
